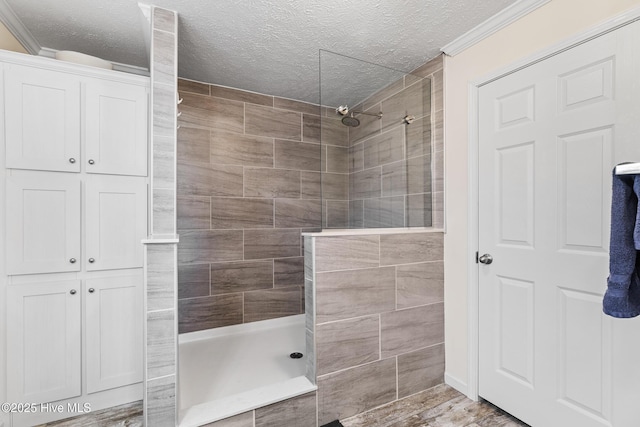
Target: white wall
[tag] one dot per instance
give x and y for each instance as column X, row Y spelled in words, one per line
column 546, row 26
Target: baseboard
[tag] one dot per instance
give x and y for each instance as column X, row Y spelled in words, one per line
column 456, row 383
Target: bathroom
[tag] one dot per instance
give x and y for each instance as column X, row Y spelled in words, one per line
column 470, row 65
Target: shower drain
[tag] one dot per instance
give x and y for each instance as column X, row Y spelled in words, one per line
column 295, row 355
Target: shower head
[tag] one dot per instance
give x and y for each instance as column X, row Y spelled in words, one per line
column 350, row 121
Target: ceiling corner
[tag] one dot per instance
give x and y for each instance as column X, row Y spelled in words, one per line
column 17, row 28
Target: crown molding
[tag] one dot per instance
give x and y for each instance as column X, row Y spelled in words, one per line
column 17, row 28
column 117, row 66
column 500, row 20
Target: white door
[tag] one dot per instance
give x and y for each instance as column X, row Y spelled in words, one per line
column 116, row 128
column 43, row 341
column 550, row 135
column 114, row 314
column 43, row 222
column 42, row 119
column 116, row 218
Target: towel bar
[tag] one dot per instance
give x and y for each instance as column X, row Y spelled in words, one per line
column 628, row 169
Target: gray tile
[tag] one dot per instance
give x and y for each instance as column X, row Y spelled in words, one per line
column 356, row 390
column 334, row 132
column 430, row 67
column 242, row 276
column 164, row 169
column 388, row 147
column 297, row 155
column 438, row 91
column 272, row 303
column 161, row 402
column 348, row 343
column 243, row 420
column 418, row 136
column 366, row 184
column 193, row 280
column 369, row 125
column 311, row 351
column 335, row 186
column 394, row 179
column 356, row 214
column 298, row 213
column 385, row 92
column 193, row 144
column 193, row 87
column 288, row 271
column 337, row 159
column 197, row 314
column 311, row 128
column 385, row 212
column 356, row 157
column 337, row 214
column 419, row 284
column 419, row 175
column 438, row 131
column 227, row 213
column 271, row 183
column 164, row 57
column 161, row 343
column 194, row 212
column 310, row 185
column 260, row 244
column 414, row 100
column 161, row 287
column 203, row 179
column 438, row 172
column 164, row 19
column 241, row 95
column 407, row 330
column 276, row 123
column 347, row 252
column 129, row 415
column 245, row 150
column 202, row 246
column 292, row 105
column 351, row 293
column 410, row 247
column 163, row 211
column 420, row 370
column 297, row 411
column 164, row 109
column 438, row 210
column 419, row 210
column 212, row 113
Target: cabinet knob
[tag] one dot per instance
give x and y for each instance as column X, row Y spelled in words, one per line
column 91, row 161
column 72, row 160
column 72, row 260
column 91, row 290
column 92, row 260
column 72, row 291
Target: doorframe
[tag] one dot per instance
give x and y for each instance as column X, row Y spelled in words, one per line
column 473, row 226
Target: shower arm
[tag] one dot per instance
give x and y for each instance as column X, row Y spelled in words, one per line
column 379, row 115
column 343, row 110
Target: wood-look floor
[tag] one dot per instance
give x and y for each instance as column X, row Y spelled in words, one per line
column 129, row 415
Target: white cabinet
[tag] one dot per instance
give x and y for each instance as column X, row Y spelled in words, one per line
column 42, row 119
column 43, row 340
column 116, row 215
column 43, row 222
column 114, row 330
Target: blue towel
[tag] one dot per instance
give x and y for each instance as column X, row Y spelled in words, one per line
column 622, row 298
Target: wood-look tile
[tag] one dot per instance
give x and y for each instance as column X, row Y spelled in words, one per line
column 193, row 87
column 164, row 170
column 197, row 314
column 241, row 95
column 243, row 420
column 347, row 252
column 164, row 109
column 203, row 179
column 161, row 402
column 335, row 186
column 420, row 284
column 394, row 179
column 245, row 150
column 241, row 276
column 311, row 350
column 410, row 329
column 409, row 248
column 388, row 147
column 334, row 132
column 164, row 211
column 460, row 411
column 202, row 246
column 310, row 187
column 261, row 244
column 356, row 390
column 419, row 175
column 420, row 370
column 164, row 19
column 228, row 213
column 161, row 288
column 297, row 411
column 347, row 343
column 271, row 183
column 414, row 100
column 311, row 125
column 211, row 113
column 351, row 293
column 276, row 123
column 337, row 214
column 385, row 92
column 356, row 157
column 288, row 272
column 419, row 209
column 438, row 172
column 430, row 66
column 272, row 303
column 366, row 184
column 438, row 210
column 161, row 343
column 297, row 155
column 292, row 105
column 410, row 79
column 356, row 214
column 298, row 213
column 194, row 212
column 129, row 415
column 418, row 137
column 438, row 131
column 193, row 144
column 438, row 91
column 337, row 159
column 164, row 57
column 384, row 212
column 369, row 125
column 193, row 280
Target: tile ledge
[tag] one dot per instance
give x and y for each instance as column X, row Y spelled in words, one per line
column 365, row 231
column 161, row 238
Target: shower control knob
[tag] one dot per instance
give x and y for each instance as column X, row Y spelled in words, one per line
column 485, row 259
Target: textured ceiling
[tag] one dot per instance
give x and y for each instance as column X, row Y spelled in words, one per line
column 267, row 46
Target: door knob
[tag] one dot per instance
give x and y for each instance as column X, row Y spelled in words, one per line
column 486, row 259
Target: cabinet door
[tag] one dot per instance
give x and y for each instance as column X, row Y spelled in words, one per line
column 42, row 119
column 114, row 343
column 43, row 341
column 116, row 128
column 43, row 222
column 116, row 218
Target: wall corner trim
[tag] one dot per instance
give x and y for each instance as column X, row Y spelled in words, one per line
column 500, row 20
column 17, row 28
